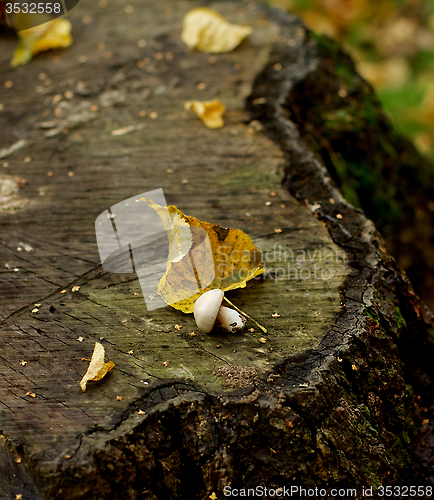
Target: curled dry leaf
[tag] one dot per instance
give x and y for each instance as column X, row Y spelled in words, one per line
column 210, row 112
column 207, row 31
column 54, row 34
column 97, row 368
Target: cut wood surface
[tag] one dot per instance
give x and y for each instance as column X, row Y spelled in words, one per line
column 321, row 399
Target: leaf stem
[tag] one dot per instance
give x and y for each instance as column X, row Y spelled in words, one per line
column 246, row 315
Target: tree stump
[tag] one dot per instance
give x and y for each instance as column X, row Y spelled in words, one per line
column 333, row 396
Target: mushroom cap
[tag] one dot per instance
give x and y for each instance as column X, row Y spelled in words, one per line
column 206, row 309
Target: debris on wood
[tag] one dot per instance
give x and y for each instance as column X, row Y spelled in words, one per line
column 4, row 153
column 10, row 200
column 127, row 130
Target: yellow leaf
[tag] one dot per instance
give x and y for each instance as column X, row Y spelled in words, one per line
column 210, row 112
column 97, row 369
column 207, row 31
column 51, row 35
column 178, row 230
column 226, row 259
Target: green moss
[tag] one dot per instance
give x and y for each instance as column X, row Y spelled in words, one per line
column 400, row 321
column 345, row 124
column 396, row 449
column 372, row 314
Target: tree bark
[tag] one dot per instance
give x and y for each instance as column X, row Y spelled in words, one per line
column 337, row 392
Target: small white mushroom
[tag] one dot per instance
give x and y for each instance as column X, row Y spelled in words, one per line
column 206, row 309
column 208, row 312
column 230, row 320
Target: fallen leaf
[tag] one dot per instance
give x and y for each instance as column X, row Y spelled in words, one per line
column 275, row 315
column 210, row 112
column 177, row 228
column 141, row 412
column 97, row 368
column 207, row 31
column 227, row 259
column 54, row 34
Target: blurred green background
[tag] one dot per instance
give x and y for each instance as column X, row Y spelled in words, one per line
column 392, row 43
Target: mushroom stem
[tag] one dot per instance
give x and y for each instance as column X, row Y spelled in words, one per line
column 230, row 320
column 246, row 315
